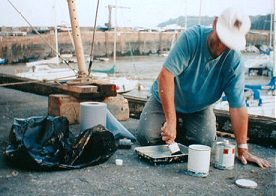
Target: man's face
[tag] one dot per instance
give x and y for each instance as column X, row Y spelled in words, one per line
column 216, row 46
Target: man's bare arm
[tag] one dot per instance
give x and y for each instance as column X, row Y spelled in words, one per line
column 239, row 119
column 167, row 95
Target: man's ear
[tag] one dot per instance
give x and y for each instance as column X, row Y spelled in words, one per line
column 215, row 23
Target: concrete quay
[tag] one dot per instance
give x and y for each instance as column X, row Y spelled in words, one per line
column 134, row 177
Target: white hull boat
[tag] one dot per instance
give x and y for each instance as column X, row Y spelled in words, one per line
column 44, row 72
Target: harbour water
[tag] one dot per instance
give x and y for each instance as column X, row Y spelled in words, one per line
column 145, row 69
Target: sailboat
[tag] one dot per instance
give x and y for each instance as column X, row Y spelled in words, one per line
column 2, row 61
column 41, row 70
column 270, row 87
column 108, row 71
column 123, row 84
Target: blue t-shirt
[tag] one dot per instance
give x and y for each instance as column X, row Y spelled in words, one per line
column 200, row 80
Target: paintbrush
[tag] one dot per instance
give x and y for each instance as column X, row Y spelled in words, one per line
column 174, row 148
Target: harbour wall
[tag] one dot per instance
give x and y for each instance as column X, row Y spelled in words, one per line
column 26, row 48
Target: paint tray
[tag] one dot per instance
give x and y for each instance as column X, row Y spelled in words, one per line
column 161, row 154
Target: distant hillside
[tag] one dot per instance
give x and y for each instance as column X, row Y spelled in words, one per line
column 258, row 22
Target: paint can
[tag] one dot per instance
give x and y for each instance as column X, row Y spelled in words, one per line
column 199, row 159
column 224, row 155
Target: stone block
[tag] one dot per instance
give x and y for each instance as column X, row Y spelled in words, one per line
column 69, row 106
column 118, row 106
column 64, row 105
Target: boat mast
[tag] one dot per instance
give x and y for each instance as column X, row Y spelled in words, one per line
column 199, row 18
column 115, row 35
column 77, row 38
column 56, row 33
column 274, row 44
column 186, row 15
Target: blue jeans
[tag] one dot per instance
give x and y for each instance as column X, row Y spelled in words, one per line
column 192, row 128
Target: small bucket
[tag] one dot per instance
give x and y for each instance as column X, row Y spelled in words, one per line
column 199, row 159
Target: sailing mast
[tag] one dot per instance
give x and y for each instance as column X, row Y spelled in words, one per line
column 56, row 33
column 115, row 35
column 82, row 73
column 110, row 7
column 274, row 45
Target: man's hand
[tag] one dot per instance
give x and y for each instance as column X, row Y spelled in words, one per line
column 246, row 157
column 239, row 119
column 168, row 133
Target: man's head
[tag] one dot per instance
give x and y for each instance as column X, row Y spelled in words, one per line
column 231, row 27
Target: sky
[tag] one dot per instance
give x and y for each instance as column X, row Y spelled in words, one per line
column 130, row 13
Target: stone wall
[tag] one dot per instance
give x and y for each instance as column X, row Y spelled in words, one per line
column 25, row 48
column 43, row 46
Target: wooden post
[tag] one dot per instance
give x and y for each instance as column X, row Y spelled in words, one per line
column 77, row 38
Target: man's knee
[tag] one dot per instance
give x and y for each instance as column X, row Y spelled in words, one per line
column 147, row 137
column 141, row 137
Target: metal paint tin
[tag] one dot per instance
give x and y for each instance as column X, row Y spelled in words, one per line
column 199, row 159
column 225, row 155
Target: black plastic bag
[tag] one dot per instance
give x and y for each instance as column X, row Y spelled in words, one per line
column 46, row 142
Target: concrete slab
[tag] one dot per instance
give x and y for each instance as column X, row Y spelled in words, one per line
column 134, row 177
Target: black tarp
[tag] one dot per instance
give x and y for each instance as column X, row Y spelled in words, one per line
column 46, row 142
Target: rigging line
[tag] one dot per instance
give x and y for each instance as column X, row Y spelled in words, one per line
column 93, row 38
column 19, row 83
column 35, row 81
column 45, row 41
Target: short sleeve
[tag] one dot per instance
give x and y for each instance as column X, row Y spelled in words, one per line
column 179, row 56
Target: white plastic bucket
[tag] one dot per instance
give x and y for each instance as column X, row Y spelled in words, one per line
column 199, row 158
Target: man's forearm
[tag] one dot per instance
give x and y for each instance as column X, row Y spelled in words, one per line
column 167, row 91
column 239, row 120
